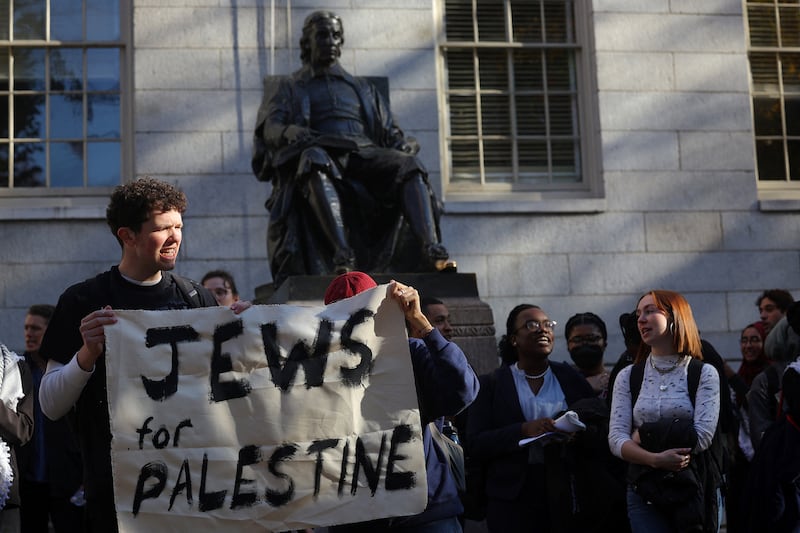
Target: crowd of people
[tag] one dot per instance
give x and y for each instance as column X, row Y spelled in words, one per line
column 668, row 437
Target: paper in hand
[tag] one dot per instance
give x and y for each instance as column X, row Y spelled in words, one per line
column 568, row 422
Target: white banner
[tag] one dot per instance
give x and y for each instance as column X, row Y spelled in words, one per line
column 280, row 418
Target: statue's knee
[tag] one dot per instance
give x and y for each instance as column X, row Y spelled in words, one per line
column 314, row 159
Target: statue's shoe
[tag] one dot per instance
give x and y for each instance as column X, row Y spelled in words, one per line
column 437, row 256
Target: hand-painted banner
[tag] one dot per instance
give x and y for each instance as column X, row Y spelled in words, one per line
column 280, row 418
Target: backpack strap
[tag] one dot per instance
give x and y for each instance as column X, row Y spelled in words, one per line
column 693, row 377
column 636, row 378
column 188, row 290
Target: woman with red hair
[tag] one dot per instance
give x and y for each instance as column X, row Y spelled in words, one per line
column 660, row 423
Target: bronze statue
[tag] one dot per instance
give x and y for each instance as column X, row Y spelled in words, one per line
column 348, row 191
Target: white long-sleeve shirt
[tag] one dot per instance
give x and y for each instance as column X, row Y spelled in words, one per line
column 654, row 403
column 61, row 386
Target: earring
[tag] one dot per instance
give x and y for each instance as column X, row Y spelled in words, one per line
column 672, row 327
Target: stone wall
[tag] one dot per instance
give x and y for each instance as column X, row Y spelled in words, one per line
column 681, row 211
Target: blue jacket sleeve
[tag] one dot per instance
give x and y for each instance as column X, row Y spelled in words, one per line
column 446, row 383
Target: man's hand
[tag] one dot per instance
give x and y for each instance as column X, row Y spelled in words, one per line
column 408, row 299
column 94, row 336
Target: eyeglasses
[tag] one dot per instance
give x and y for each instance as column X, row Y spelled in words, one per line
column 535, row 325
column 750, row 340
column 585, row 339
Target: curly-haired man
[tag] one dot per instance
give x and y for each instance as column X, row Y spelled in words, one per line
column 145, row 216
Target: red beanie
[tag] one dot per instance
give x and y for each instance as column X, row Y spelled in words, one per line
column 347, row 285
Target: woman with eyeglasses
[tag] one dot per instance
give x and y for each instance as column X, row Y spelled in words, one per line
column 662, row 421
column 527, row 486
column 754, row 360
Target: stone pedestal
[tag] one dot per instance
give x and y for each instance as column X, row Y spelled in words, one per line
column 471, row 318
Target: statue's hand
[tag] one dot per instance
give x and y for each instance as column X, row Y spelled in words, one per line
column 294, row 134
column 408, row 145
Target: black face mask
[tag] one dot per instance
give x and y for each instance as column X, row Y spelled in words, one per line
column 587, row 356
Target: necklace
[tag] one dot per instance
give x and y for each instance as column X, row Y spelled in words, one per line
column 538, row 376
column 663, row 371
column 666, row 370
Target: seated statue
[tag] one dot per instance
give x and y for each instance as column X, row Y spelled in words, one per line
column 348, row 191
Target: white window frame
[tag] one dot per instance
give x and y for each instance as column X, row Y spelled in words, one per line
column 773, row 195
column 588, row 196
column 44, row 203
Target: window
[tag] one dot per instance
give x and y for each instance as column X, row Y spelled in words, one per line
column 516, row 90
column 61, row 96
column 774, row 54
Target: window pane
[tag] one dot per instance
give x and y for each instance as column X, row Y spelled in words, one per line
column 561, row 116
column 104, row 164
column 466, row 160
column 66, row 69
column 4, row 14
column 564, row 160
column 29, row 19
column 491, row 20
column 763, row 29
column 3, row 117
column 770, row 160
column 790, row 64
column 496, row 115
column 5, row 69
column 3, row 165
column 767, row 115
column 527, row 18
column 460, row 70
column 764, row 69
column 66, row 116
column 29, row 116
column 29, row 69
column 66, row 20
column 493, row 69
column 558, row 21
column 103, row 66
column 530, row 115
column 528, row 70
column 794, row 160
column 790, row 26
column 29, row 165
column 792, row 106
column 66, row 164
column 560, row 71
column 533, row 161
column 102, row 20
column 458, row 20
column 498, row 156
column 103, row 116
column 463, row 115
